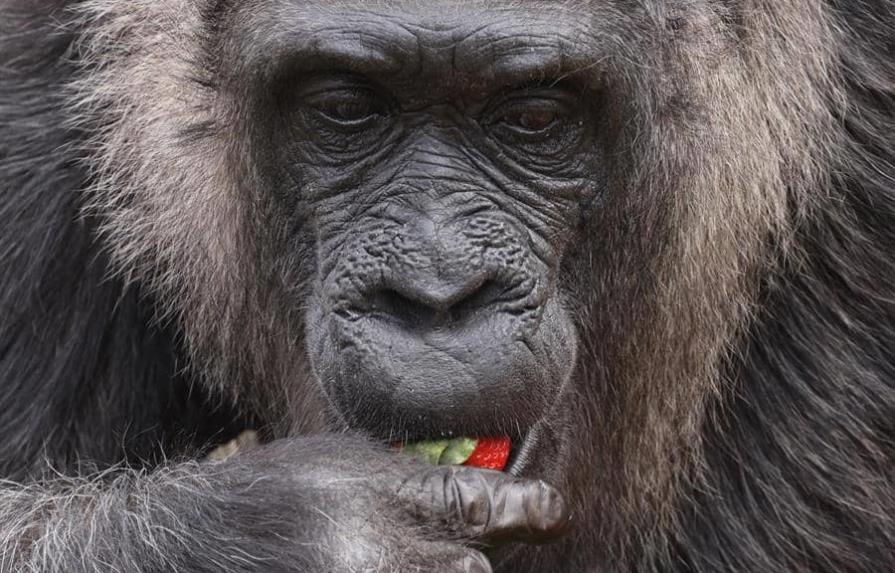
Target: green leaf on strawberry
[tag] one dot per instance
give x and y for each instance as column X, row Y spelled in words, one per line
column 457, row 452
column 427, row 451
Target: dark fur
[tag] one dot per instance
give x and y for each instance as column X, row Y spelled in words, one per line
column 799, row 472
column 743, row 419
column 87, row 372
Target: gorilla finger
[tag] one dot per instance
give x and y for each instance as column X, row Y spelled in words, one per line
column 491, row 506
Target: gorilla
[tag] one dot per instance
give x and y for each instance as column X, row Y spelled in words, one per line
column 652, row 242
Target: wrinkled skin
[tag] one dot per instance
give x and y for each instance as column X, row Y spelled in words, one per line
column 649, row 241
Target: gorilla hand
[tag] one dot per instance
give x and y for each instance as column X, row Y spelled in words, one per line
column 368, row 510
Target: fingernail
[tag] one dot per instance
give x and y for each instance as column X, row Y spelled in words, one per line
column 554, row 514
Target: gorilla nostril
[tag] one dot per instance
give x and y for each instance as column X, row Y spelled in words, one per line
column 417, row 307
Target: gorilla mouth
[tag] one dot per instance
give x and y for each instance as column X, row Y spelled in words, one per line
column 425, row 388
column 477, row 380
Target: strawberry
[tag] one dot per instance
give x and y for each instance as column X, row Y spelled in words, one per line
column 490, row 453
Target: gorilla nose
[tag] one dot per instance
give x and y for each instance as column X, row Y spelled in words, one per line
column 430, row 301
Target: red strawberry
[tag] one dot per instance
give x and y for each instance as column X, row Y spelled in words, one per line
column 490, row 453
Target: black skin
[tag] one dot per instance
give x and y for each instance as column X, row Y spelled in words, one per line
column 434, row 184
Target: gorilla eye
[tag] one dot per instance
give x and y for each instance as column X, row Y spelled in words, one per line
column 532, row 119
column 353, row 109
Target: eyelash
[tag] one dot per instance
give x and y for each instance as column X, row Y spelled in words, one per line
column 519, row 115
column 329, row 108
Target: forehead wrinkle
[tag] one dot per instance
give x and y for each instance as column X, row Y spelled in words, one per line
column 527, row 47
column 492, row 44
column 316, row 37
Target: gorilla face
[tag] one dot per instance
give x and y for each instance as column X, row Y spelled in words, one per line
column 479, row 218
column 439, row 163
